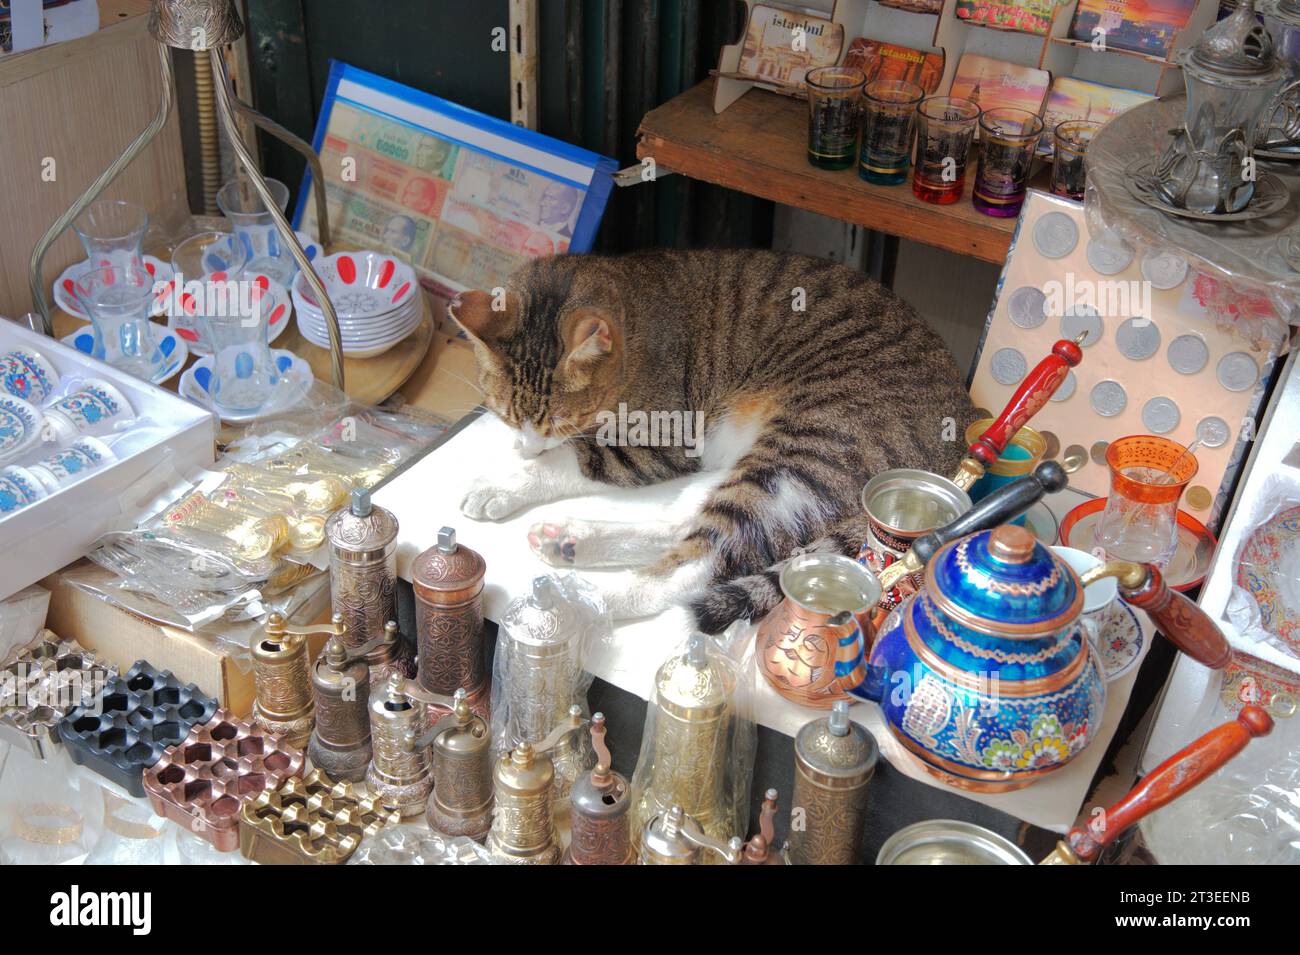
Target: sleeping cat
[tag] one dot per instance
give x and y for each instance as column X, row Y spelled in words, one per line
column 809, row 376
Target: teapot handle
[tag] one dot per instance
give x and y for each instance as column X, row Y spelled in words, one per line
column 1034, row 392
column 1186, row 625
column 1176, row 775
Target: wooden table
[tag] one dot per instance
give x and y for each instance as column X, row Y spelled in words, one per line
column 758, row 146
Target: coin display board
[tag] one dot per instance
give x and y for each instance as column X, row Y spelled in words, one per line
column 1154, row 360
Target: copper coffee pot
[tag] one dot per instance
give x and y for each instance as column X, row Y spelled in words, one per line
column 340, row 684
column 600, row 827
column 523, row 826
column 674, row 838
column 940, row 841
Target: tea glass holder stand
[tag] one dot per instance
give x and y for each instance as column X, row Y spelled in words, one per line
column 204, row 26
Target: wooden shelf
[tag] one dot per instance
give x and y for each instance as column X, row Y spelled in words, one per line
column 758, row 146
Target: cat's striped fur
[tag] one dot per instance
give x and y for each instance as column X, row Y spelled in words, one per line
column 801, row 406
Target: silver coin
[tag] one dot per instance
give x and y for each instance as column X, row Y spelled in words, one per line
column 1109, row 254
column 1165, row 270
column 1027, row 307
column 1065, row 390
column 1098, row 452
column 1161, row 415
column 1079, row 319
column 1187, row 354
column 1237, row 371
column 1213, row 432
column 1055, row 235
column 1138, row 338
column 1108, row 398
column 1008, row 366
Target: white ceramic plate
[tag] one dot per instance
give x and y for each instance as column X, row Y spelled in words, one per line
column 66, row 299
column 361, row 284
column 1120, row 646
column 169, row 343
column 297, row 382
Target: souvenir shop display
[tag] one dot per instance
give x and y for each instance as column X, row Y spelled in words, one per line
column 834, row 106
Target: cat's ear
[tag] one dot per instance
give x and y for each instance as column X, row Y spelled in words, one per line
column 474, row 312
column 589, row 335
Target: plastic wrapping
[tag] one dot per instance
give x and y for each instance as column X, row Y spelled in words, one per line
column 410, row 845
column 1265, row 602
column 21, row 618
column 538, row 670
column 697, row 748
column 45, row 817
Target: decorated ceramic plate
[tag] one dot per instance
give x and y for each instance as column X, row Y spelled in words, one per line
column 275, row 304
column 20, row 427
column 170, row 344
column 1120, row 645
column 291, row 390
column 1186, row 569
column 1268, row 568
column 66, row 299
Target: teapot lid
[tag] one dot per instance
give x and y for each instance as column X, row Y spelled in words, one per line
column 1004, row 583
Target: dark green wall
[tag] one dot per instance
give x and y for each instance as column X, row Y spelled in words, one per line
column 603, row 64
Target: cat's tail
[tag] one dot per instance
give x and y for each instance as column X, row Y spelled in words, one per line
column 754, row 596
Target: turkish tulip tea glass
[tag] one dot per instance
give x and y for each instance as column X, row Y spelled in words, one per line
column 888, row 121
column 118, row 302
column 244, row 374
column 255, row 229
column 1070, row 144
column 217, row 254
column 834, row 101
column 945, row 128
column 112, row 232
column 1147, row 478
column 1008, row 140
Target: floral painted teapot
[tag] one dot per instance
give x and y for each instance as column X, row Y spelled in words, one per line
column 987, row 675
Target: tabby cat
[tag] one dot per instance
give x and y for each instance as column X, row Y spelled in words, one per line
column 810, row 377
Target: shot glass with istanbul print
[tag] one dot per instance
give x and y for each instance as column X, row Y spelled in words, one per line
column 945, row 128
column 1070, row 144
column 888, row 121
column 1008, row 140
column 834, row 104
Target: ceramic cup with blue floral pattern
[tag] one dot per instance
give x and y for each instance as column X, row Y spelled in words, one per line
column 96, row 408
column 70, row 464
column 18, row 488
column 27, row 375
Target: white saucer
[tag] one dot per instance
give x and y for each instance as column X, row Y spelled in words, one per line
column 278, row 310
column 169, row 343
column 66, row 299
column 297, row 382
column 1120, row 645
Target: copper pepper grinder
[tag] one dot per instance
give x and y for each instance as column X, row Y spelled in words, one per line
column 400, row 776
column 523, row 825
column 760, row 849
column 834, row 759
column 284, row 704
column 601, row 830
column 448, row 581
column 340, row 684
column 674, row 838
column 363, row 578
column 460, row 749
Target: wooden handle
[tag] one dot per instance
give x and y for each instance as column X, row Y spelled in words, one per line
column 1034, row 392
column 1186, row 625
column 1176, row 775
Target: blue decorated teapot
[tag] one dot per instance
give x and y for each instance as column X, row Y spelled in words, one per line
column 986, row 674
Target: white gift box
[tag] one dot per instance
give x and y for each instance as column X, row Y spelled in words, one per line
column 43, row 537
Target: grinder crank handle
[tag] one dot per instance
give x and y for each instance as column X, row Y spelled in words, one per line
column 1176, row 775
column 1006, row 503
column 1034, row 392
column 1186, row 625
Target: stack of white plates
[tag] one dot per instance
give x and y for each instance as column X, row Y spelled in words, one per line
column 376, row 297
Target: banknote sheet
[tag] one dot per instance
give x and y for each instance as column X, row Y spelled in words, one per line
column 463, row 197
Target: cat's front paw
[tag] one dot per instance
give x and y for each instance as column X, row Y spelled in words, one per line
column 495, row 497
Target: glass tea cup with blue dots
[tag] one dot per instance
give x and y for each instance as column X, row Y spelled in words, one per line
column 244, row 372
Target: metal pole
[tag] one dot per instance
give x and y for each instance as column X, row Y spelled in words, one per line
column 35, row 268
column 225, row 111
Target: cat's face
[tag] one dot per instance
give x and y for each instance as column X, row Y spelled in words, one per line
column 547, row 362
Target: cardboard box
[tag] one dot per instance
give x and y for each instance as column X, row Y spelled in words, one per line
column 122, row 637
column 55, row 531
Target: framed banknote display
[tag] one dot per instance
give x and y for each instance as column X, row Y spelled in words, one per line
column 465, row 198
